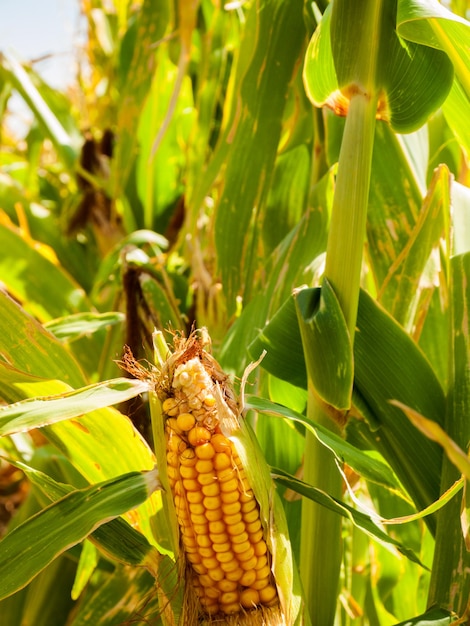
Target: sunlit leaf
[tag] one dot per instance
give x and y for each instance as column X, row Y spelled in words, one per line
column 38, row 412
column 65, row 523
column 14, row 72
column 51, row 293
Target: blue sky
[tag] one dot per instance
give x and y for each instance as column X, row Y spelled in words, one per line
column 33, row 28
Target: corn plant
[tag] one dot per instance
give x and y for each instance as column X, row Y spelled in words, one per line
column 234, row 300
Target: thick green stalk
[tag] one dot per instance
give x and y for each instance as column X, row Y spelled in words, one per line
column 348, row 220
column 320, row 560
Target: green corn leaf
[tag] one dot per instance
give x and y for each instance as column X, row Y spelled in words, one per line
column 372, row 469
column 433, row 617
column 116, row 538
column 140, row 63
column 127, row 595
column 433, row 431
column 449, row 586
column 65, row 144
column 38, row 412
column 327, row 346
column 269, row 53
column 50, row 291
column 359, row 519
column 27, row 347
column 71, row 327
column 431, row 24
column 86, row 566
column 281, row 341
column 412, row 80
column 30, row 547
column 382, row 373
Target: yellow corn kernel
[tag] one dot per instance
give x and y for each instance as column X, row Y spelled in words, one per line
column 246, row 496
column 206, row 479
column 249, row 598
column 260, row 548
column 256, row 537
column 209, row 400
column 260, row 583
column 206, row 552
column 201, row 529
column 199, row 568
column 221, row 547
column 185, row 421
column 251, row 516
column 197, row 518
column 195, row 496
column 268, row 594
column 232, row 573
column 210, row 591
column 232, row 508
column 222, row 460
column 212, row 503
column 250, row 564
column 248, row 578
column 217, row 574
column 221, row 444
column 213, row 515
column 198, row 435
column 205, row 581
column 225, row 474
column 188, row 471
column 204, row 466
column 230, row 485
column 229, row 597
column 247, row 505
column 227, row 585
column 197, row 509
column 175, row 443
column 240, row 538
column 230, row 566
column 235, row 526
column 243, row 556
column 262, row 562
column 263, row 572
column 218, row 538
column 239, row 548
column 230, row 497
column 217, row 527
column 188, row 457
column 205, row 450
column 191, row 484
column 230, row 608
column 253, row 527
column 203, row 541
column 212, row 489
column 170, row 406
column 232, row 520
column 226, row 557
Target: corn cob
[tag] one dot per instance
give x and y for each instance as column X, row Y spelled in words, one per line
column 229, row 569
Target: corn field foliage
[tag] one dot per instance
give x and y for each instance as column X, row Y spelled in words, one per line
column 293, row 177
